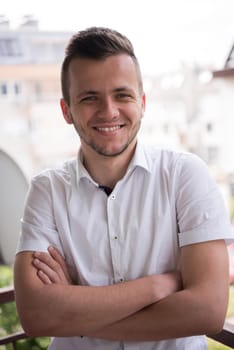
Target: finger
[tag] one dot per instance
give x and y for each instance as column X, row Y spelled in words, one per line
column 53, row 265
column 57, row 256
column 45, row 258
column 46, row 270
column 62, row 270
column 43, row 277
column 49, row 261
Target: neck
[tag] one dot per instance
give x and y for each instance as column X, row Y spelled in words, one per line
column 107, row 171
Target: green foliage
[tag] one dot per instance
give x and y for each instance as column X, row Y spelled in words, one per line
column 232, row 207
column 230, row 311
column 9, row 321
column 6, row 276
column 33, row 344
column 214, row 345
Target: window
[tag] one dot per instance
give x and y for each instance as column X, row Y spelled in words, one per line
column 9, row 47
column 17, row 88
column 209, row 127
column 10, row 89
column 3, row 89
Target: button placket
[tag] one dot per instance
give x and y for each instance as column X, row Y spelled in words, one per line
column 114, row 238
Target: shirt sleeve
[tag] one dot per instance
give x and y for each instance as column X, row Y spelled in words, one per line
column 38, row 228
column 201, row 212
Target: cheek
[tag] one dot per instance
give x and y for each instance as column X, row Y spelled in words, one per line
column 84, row 114
column 80, row 116
column 137, row 113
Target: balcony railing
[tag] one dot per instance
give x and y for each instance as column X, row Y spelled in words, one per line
column 226, row 336
column 6, row 296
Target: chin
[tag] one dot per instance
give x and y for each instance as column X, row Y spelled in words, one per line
column 113, row 152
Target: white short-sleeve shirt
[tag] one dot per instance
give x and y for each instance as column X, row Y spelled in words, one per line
column 166, row 200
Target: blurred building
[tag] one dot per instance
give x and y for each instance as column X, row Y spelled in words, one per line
column 191, row 108
column 32, row 127
column 224, row 80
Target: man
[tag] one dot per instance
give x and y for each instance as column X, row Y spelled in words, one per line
column 136, row 236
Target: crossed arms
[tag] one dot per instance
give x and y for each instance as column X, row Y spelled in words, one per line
column 155, row 307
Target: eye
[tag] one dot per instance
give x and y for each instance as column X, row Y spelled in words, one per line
column 90, row 98
column 123, row 96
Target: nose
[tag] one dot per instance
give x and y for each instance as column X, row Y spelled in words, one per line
column 108, row 109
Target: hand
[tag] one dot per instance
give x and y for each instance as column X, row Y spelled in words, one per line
column 51, row 268
column 166, row 284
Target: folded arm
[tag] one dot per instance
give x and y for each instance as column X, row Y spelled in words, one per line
column 127, row 311
column 199, row 308
column 49, row 305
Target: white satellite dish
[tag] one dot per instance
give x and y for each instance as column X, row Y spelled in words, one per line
column 13, row 188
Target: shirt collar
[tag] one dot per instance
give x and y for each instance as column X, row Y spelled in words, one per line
column 139, row 159
column 81, row 170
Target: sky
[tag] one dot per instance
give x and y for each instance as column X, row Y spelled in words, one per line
column 165, row 33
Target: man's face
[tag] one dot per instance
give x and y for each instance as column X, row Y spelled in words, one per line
column 106, row 104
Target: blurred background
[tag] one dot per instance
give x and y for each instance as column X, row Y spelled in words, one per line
column 186, row 52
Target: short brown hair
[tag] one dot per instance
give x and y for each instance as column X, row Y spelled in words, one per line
column 95, row 43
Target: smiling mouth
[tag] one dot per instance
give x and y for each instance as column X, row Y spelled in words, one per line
column 109, row 129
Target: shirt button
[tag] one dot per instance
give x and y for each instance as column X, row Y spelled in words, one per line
column 113, row 196
column 115, row 237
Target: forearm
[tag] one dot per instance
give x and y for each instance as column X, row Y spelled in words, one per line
column 199, row 308
column 68, row 310
column 185, row 313
column 74, row 310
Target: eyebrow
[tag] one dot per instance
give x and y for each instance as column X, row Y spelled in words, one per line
column 87, row 92
column 123, row 88
column 93, row 92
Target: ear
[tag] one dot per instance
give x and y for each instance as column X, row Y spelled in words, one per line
column 143, row 103
column 66, row 111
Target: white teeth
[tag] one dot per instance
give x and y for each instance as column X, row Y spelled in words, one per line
column 113, row 128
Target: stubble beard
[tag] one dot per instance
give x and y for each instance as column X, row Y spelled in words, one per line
column 101, row 150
